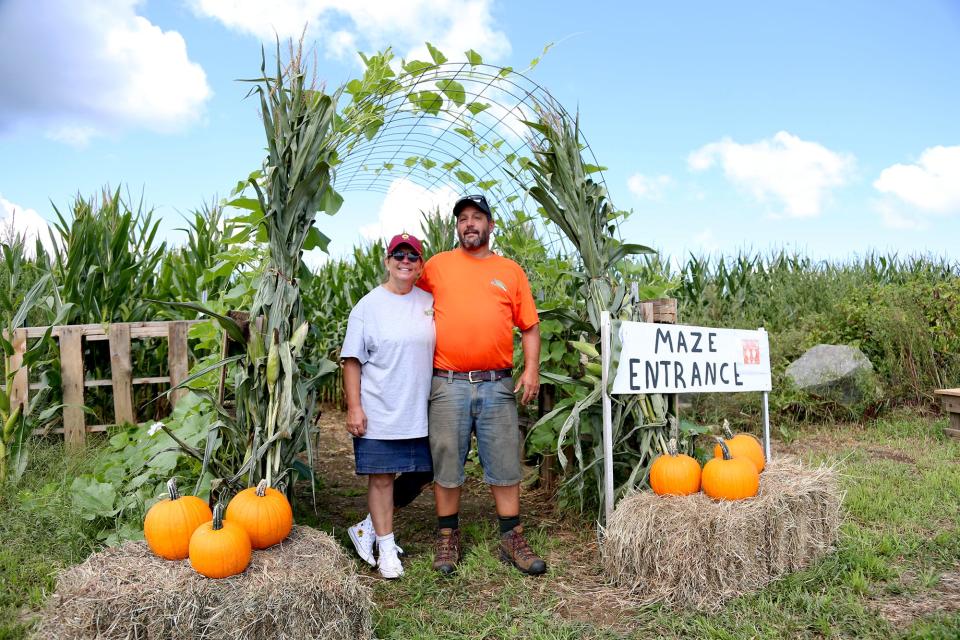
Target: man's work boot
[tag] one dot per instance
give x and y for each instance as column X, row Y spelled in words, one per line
column 447, row 551
column 515, row 550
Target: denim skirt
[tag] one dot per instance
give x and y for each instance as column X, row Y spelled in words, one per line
column 391, row 456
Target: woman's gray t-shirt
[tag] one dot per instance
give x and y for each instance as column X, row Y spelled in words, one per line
column 392, row 336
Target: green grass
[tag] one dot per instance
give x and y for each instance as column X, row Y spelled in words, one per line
column 902, row 511
column 901, row 533
column 39, row 534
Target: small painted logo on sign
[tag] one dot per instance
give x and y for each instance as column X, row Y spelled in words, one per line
column 751, row 351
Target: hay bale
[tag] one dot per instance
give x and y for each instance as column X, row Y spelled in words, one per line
column 690, row 551
column 305, row 587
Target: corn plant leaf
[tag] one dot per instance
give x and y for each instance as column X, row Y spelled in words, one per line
column 29, row 301
column 196, row 375
column 330, row 201
column 316, row 239
column 250, row 204
column 619, row 252
column 229, row 324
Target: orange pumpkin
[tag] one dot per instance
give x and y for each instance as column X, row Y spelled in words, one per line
column 170, row 523
column 729, row 478
column 220, row 548
column 674, row 474
column 742, row 445
column 264, row 513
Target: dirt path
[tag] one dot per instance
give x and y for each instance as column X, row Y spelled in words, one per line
column 342, row 500
column 575, row 587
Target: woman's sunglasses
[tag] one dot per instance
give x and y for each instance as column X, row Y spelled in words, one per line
column 412, row 256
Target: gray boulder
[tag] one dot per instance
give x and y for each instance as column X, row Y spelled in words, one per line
column 835, row 372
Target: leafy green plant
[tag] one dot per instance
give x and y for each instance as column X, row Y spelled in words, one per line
column 132, row 469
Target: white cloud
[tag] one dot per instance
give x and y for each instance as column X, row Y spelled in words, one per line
column 892, row 218
column 797, row 173
column 648, row 186
column 82, row 68
column 17, row 220
column 403, row 206
column 929, row 186
column 705, row 241
column 343, row 25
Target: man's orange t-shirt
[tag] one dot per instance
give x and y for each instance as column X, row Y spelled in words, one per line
column 476, row 304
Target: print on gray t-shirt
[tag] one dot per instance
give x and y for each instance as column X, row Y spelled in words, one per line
column 392, row 336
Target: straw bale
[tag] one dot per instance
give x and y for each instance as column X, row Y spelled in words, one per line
column 690, row 551
column 305, row 587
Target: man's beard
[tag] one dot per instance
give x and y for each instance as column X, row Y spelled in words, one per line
column 474, row 242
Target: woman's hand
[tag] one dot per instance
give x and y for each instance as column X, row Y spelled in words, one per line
column 356, row 421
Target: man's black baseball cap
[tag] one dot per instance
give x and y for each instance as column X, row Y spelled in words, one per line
column 477, row 201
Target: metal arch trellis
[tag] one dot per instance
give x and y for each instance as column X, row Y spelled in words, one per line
column 456, row 124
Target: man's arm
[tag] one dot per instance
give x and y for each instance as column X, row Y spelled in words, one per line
column 530, row 379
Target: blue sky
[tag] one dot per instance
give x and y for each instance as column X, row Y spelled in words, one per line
column 826, row 127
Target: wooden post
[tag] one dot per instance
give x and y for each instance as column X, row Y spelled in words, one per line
column 177, row 356
column 121, row 371
column 71, row 373
column 19, row 388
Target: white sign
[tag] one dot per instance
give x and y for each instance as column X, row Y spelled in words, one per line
column 675, row 358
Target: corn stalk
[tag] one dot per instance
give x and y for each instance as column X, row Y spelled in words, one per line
column 273, row 389
column 570, row 198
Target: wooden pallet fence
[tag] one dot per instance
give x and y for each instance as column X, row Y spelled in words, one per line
column 119, row 335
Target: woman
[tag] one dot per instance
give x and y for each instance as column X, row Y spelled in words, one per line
column 387, row 366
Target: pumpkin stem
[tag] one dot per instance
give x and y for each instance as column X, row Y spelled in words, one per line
column 172, row 490
column 674, row 426
column 672, row 446
column 727, row 432
column 724, row 448
column 218, row 516
column 262, row 488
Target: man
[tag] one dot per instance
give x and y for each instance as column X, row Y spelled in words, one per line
column 479, row 297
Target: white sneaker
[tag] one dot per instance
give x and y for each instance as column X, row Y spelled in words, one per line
column 389, row 564
column 363, row 536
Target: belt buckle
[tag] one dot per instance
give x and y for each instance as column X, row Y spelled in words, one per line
column 470, row 376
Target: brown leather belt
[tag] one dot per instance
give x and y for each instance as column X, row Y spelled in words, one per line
column 490, row 375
